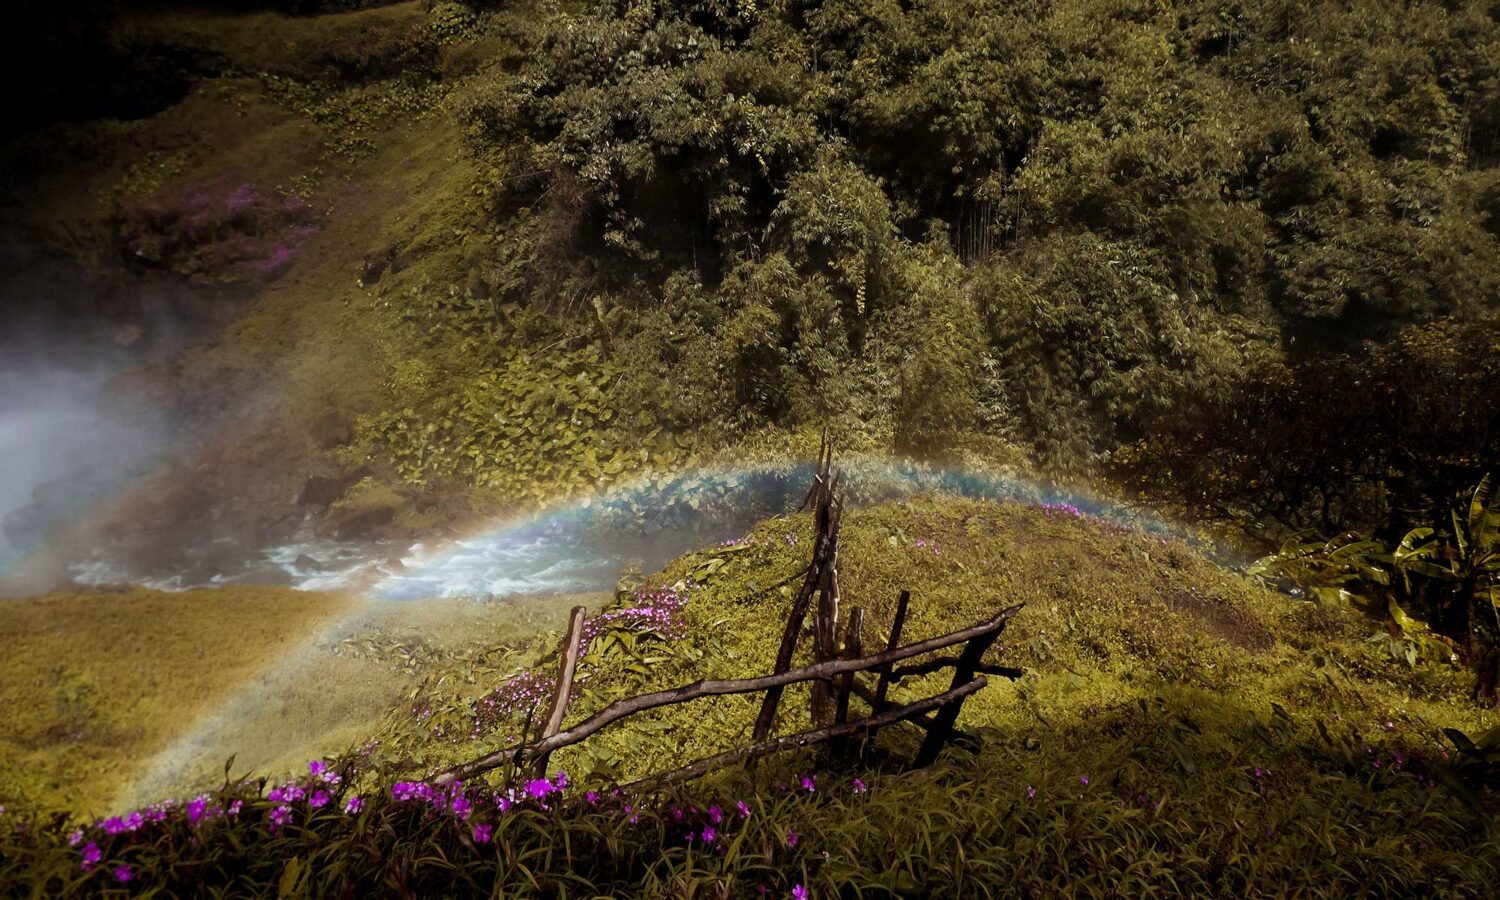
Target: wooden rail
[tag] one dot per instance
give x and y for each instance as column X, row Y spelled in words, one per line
column 832, row 674
column 622, row 709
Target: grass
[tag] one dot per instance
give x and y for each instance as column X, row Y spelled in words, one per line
column 119, row 699
column 1178, row 730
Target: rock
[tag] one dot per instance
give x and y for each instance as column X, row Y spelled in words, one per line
column 324, row 490
column 306, row 563
column 357, row 525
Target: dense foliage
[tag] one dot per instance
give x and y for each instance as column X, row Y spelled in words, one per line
column 1378, row 441
column 1061, row 217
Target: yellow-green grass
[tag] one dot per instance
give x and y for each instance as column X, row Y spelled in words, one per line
column 1138, row 651
column 113, row 699
column 93, row 684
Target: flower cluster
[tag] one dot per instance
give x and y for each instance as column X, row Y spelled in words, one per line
column 923, row 543
column 1062, row 509
column 658, row 610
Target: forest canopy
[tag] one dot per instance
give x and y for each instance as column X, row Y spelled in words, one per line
column 1071, row 215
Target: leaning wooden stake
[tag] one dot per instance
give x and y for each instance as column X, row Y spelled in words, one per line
column 894, row 641
column 827, row 516
column 567, row 668
column 942, row 724
column 854, row 648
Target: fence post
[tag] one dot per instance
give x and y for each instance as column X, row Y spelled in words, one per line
column 947, row 714
column 854, row 648
column 825, row 635
column 566, row 668
column 883, row 682
column 827, row 516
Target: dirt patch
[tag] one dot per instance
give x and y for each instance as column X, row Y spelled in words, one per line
column 1220, row 618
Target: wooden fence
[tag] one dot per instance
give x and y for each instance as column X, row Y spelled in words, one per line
column 833, row 675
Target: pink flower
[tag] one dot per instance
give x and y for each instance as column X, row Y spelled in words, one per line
column 123, row 874
column 715, row 815
column 709, row 834
column 807, row 784
column 319, row 799
column 859, row 786
column 280, row 816
column 90, row 856
column 1083, row 780
column 799, row 893
column 1030, row 791
column 539, row 788
column 743, row 808
column 791, row 838
column 482, row 833
column 354, row 805
column 592, row 797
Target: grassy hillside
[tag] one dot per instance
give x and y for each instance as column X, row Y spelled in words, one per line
column 123, row 698
column 1177, row 728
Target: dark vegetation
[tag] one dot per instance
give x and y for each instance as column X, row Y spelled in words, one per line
column 1058, row 222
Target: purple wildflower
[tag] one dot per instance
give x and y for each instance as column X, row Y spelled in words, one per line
column 859, row 786
column 715, row 815
column 791, row 838
column 1083, row 780
column 319, row 799
column 75, row 837
column 1030, row 791
column 123, row 874
column 592, row 797
column 280, row 816
column 89, row 856
column 482, row 833
column 743, row 808
column 539, row 788
column 196, row 809
column 235, row 807
column 562, row 780
column 807, row 784
column 799, row 893
column 709, row 834
column 354, row 805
